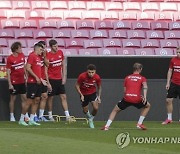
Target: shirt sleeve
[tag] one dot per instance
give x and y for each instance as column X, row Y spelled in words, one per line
column 30, row 59
column 80, row 79
column 8, row 64
column 125, row 81
column 98, row 80
column 144, row 79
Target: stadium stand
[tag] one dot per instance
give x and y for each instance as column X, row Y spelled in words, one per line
column 123, row 27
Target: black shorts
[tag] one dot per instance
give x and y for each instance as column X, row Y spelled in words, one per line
column 88, row 99
column 123, row 104
column 33, row 90
column 57, row 87
column 18, row 89
column 174, row 91
column 43, row 88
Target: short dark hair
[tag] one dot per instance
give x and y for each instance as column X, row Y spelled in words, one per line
column 15, row 46
column 38, row 45
column 52, row 42
column 91, row 67
column 137, row 66
column 42, row 42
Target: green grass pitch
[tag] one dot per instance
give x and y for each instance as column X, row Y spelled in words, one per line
column 78, row 138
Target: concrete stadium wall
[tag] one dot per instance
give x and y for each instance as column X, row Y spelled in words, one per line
column 111, row 94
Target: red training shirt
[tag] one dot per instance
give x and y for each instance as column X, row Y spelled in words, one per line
column 175, row 65
column 35, row 62
column 133, row 84
column 55, row 64
column 87, row 84
column 16, row 65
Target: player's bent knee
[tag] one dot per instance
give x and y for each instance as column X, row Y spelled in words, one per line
column 169, row 100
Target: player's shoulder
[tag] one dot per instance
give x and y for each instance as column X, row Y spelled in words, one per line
column 83, row 74
column 97, row 76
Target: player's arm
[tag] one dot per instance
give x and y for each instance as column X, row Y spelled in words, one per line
column 77, row 86
column 169, row 74
column 47, row 79
column 9, row 78
column 64, row 71
column 145, row 88
column 99, row 91
column 30, row 71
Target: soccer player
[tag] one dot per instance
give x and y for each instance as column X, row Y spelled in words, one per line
column 172, row 85
column 86, row 87
column 57, row 78
column 16, row 77
column 133, row 85
column 47, row 86
column 33, row 68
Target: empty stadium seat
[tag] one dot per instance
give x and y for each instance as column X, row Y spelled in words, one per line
column 10, row 24
column 144, row 52
column 35, row 14
column 65, row 24
column 39, row 5
column 47, row 24
column 84, row 24
column 39, row 33
column 74, row 43
column 125, row 51
column 95, row 6
column 159, row 25
column 60, row 5
column 21, row 5
column 6, row 51
column 113, row 6
column 53, row 14
column 77, row 5
column 27, row 51
column 164, row 51
column 93, row 44
column 80, row 34
column 6, row 33
column 72, row 15
column 3, row 42
column 103, row 25
column 121, row 25
column 174, row 25
column 167, row 16
column 23, row 42
column 60, row 42
column 135, row 34
column 154, row 34
column 93, row 15
column 31, row 42
column 117, row 34
column 176, row 16
column 128, row 15
column 131, row 6
column 98, row 34
column 23, row 33
column 112, row 43
column 149, row 6
column 88, row 52
column 130, row 43
column 16, row 14
column 3, row 14
column 107, row 51
column 168, row 43
column 172, row 34
column 145, row 16
column 149, row 43
column 141, row 25
column 5, row 5
column 28, row 24
column 70, row 52
column 109, row 15
column 58, row 33
column 168, row 6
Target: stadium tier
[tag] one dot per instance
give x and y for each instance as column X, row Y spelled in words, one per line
column 117, row 27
